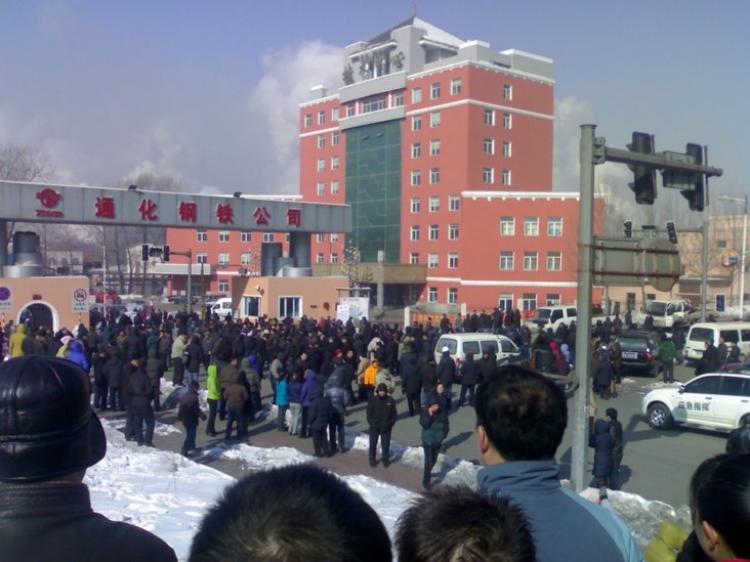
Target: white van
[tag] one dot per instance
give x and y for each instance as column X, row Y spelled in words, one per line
column 477, row 343
column 665, row 313
column 737, row 333
column 222, row 307
column 550, row 317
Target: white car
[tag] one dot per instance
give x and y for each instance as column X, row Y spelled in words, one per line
column 718, row 401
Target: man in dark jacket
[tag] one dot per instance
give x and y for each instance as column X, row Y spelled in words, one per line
column 446, row 373
column 113, row 374
column 336, row 392
column 155, row 370
column 616, row 434
column 411, row 380
column 469, row 379
column 739, row 439
column 48, row 439
column 601, row 441
column 381, row 416
column 320, row 417
column 189, row 413
column 139, row 400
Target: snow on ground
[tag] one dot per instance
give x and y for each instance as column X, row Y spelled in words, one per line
column 659, row 384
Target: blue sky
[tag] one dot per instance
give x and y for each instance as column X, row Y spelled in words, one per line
column 208, row 91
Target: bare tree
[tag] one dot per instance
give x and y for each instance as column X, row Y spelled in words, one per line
column 23, row 163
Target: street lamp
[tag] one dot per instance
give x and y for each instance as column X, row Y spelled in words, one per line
column 744, row 249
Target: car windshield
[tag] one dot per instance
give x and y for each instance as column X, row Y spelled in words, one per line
column 633, row 342
column 543, row 313
column 656, row 308
column 701, row 334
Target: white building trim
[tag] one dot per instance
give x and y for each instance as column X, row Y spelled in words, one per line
column 533, row 195
column 483, row 104
column 500, row 283
column 485, row 65
column 319, row 100
column 319, row 132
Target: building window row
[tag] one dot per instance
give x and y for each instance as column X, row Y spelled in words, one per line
column 433, row 231
column 489, row 118
column 320, row 237
column 434, row 204
column 488, row 176
column 335, row 163
column 530, row 261
column 531, row 226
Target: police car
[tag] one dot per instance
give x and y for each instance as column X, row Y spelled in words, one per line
column 717, row 401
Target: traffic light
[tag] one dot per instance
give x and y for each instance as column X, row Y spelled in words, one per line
column 644, row 177
column 144, row 252
column 696, row 196
column 165, row 252
column 628, row 225
column 671, row 232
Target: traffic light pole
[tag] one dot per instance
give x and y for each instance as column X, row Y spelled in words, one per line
column 189, row 256
column 583, row 332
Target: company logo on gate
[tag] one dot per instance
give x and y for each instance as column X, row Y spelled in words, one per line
column 49, row 198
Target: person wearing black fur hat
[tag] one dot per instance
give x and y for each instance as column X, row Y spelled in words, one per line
column 381, row 416
column 49, row 436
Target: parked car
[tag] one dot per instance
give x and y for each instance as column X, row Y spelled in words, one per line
column 717, row 401
column 638, row 350
column 477, row 343
column 737, row 333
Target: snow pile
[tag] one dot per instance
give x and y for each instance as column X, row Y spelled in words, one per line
column 660, row 384
column 159, row 429
column 256, row 458
column 159, row 491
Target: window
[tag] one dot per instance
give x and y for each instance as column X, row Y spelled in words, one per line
column 531, row 226
column 251, row 306
column 506, row 261
column 350, row 110
column 290, row 307
column 488, row 145
column 245, row 258
column 414, row 258
column 434, row 147
column 335, row 114
column 223, row 236
column 334, row 257
column 416, row 149
column 434, row 175
column 320, row 238
column 455, row 86
column 452, row 232
column 416, row 95
column 488, row 175
column 507, row 226
column 706, row 385
column 334, row 187
column 732, row 386
column 415, row 205
column 435, row 119
column 554, row 261
column 489, row 117
column 308, row 120
column 334, row 162
column 432, row 261
column 630, row 301
column 334, row 236
column 223, row 258
column 452, row 260
column 454, row 202
column 373, row 104
column 267, row 237
column 435, row 91
column 321, row 164
column 528, row 301
column 320, row 188
column 553, row 299
column 505, row 301
column 414, row 233
column 508, row 92
column 416, row 177
column 223, row 285
column 432, row 294
column 554, row 226
column 321, row 117
column 201, row 258
column 416, row 123
column 398, row 100
column 335, row 138
column 319, row 258
column 506, row 177
column 434, row 204
column 507, row 120
column 246, row 237
column 321, row 141
column 201, row 236
column 530, row 261
column 433, row 232
column 452, row 295
column 721, row 243
column 506, row 149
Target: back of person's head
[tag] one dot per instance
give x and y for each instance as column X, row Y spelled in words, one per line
column 47, row 427
column 297, row 513
column 612, row 413
column 522, row 413
column 457, row 524
column 720, row 501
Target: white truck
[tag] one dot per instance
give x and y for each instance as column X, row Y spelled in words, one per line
column 666, row 312
column 550, row 317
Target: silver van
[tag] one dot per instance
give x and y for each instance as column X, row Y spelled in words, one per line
column 477, row 343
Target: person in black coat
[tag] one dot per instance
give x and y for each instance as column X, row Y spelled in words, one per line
column 381, row 417
column 113, row 373
column 189, row 413
column 601, row 441
column 616, row 433
column 320, row 413
column 428, row 374
column 603, row 376
column 98, row 360
column 139, row 395
column 469, row 379
column 411, row 379
column 446, row 373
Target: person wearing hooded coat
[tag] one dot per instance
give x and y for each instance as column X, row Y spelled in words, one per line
column 469, row 379
column 381, row 417
column 113, row 374
column 77, row 355
column 320, row 416
column 155, row 370
column 15, row 347
column 307, row 388
column 335, row 391
column 411, row 379
column 435, row 427
column 446, row 373
column 600, row 440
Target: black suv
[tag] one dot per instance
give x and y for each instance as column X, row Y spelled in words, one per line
column 638, row 350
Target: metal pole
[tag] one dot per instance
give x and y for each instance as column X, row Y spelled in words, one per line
column 190, row 282
column 742, row 262
column 583, row 332
column 704, row 268
column 3, row 246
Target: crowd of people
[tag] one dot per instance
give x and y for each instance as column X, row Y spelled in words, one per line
column 317, row 370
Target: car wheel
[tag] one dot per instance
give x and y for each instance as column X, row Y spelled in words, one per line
column 659, row 416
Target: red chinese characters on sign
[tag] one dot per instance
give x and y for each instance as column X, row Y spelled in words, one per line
column 188, row 211
column 225, row 213
column 105, row 207
column 294, row 217
column 261, row 216
column 147, row 208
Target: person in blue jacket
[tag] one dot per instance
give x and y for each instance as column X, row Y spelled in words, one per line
column 78, row 356
column 521, row 418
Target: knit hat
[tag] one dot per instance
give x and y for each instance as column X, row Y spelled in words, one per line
column 47, row 426
column 382, row 387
